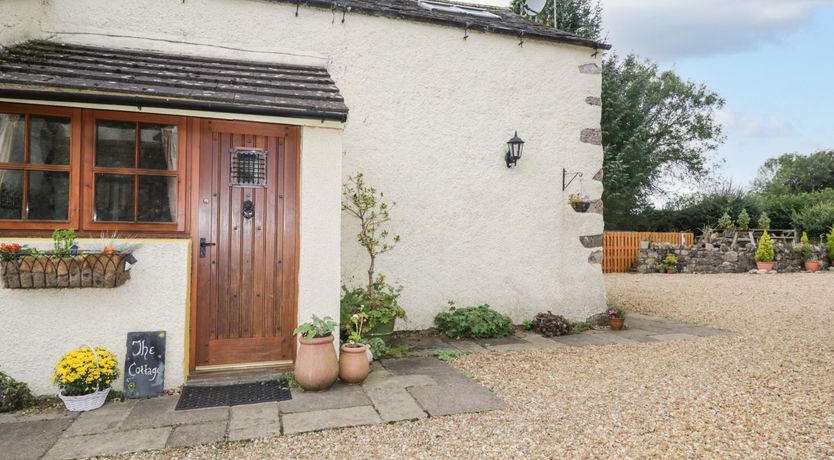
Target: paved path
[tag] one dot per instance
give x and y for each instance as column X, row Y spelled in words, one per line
column 409, row 388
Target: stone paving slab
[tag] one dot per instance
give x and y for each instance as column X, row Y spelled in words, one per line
column 339, row 396
column 31, row 439
column 192, row 435
column 254, row 421
column 109, row 443
column 466, row 346
column 331, row 418
column 456, row 398
column 106, row 419
column 395, row 404
column 509, row 340
column 439, row 371
column 156, row 412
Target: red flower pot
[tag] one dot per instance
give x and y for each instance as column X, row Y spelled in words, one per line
column 812, row 266
column 616, row 323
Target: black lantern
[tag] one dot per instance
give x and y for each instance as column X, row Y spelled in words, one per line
column 514, row 148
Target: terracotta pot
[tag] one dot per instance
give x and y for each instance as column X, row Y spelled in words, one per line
column 767, row 266
column 812, row 266
column 353, row 364
column 316, row 365
column 671, row 271
column 616, row 323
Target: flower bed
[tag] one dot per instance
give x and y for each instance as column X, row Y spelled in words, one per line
column 100, row 270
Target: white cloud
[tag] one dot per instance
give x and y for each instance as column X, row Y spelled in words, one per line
column 670, row 29
column 741, row 125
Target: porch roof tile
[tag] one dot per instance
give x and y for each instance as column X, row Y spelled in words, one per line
column 54, row 71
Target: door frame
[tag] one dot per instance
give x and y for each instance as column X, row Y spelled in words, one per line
column 196, row 127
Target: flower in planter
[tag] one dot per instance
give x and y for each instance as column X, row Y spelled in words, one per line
column 616, row 312
column 81, row 372
column 9, row 252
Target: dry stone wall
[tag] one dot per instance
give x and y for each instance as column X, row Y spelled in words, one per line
column 723, row 259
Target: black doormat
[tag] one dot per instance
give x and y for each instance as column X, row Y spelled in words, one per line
column 197, row 397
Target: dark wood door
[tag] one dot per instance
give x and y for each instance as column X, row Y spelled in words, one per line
column 247, row 270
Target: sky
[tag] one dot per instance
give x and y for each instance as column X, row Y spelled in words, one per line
column 771, row 60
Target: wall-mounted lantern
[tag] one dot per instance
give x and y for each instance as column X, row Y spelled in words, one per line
column 514, row 148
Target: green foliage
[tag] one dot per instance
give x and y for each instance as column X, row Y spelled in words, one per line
column 579, row 17
column 792, row 173
column 550, row 325
column 14, row 395
column 447, row 354
column 725, row 222
column 378, row 347
column 288, row 379
column 782, row 209
column 379, row 305
column 63, row 241
column 582, row 326
column 477, row 322
column 764, row 221
column 528, row 324
column 318, row 327
column 653, row 122
column 829, row 244
column 357, row 320
column 615, row 312
column 765, row 252
column 743, row 220
column 804, row 248
column 816, row 218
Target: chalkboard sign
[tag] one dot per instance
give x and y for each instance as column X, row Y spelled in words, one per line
column 145, row 364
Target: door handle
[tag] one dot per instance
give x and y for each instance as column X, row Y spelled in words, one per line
column 204, row 245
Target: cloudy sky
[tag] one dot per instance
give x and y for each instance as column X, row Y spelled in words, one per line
column 772, row 60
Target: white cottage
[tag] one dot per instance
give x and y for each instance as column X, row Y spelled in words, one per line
column 216, row 134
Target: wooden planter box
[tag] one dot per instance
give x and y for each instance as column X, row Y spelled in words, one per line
column 51, row 271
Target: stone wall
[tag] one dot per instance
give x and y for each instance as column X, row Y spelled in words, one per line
column 722, row 259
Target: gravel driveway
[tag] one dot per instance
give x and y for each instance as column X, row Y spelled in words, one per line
column 765, row 392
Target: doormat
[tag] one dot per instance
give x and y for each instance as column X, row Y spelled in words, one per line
column 198, row 397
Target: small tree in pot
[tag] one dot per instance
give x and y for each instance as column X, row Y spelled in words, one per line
column 316, row 365
column 806, row 250
column 765, row 253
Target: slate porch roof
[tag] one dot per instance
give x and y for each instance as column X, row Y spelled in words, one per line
column 53, row 71
column 508, row 23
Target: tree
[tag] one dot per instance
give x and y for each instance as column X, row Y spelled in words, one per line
column 793, row 173
column 580, row 17
column 654, row 125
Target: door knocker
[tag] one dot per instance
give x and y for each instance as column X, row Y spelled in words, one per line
column 248, row 209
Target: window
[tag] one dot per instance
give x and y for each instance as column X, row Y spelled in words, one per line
column 248, row 168
column 135, row 168
column 38, row 166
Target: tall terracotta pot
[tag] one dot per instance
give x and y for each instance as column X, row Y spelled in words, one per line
column 316, row 365
column 353, row 364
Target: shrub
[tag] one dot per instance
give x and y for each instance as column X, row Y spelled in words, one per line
column 14, row 395
column 815, row 219
column 380, row 305
column 478, row 322
column 81, row 372
column 743, row 220
column 830, row 244
column 725, row 222
column 550, row 325
column 804, row 248
column 765, row 253
column 378, row 347
column 764, row 221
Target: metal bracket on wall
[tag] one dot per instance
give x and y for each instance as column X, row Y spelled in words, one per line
column 565, row 181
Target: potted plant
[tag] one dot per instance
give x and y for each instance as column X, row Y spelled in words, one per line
column 377, row 299
column 670, row 264
column 316, row 365
column 765, row 253
column 84, row 376
column 725, row 222
column 743, row 220
column 579, row 202
column 806, row 250
column 764, row 221
column 616, row 318
column 353, row 362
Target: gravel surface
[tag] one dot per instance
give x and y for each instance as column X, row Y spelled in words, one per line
column 765, row 392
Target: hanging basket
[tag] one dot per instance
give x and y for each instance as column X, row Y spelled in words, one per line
column 87, row 402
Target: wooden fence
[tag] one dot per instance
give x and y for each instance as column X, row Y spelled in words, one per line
column 620, row 249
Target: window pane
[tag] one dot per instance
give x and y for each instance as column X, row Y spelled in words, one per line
column 12, row 137
column 157, row 199
column 158, row 148
column 49, row 140
column 11, row 194
column 116, row 144
column 114, row 198
column 48, row 197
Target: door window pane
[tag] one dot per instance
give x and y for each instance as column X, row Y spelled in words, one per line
column 114, row 198
column 11, row 194
column 158, row 148
column 12, row 137
column 49, row 140
column 48, row 197
column 116, row 144
column 157, row 199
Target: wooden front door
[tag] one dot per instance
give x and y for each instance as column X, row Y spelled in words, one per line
column 248, row 244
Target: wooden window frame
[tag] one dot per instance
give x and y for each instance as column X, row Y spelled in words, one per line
column 91, row 117
column 74, row 166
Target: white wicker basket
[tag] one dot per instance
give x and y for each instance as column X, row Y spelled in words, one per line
column 84, row 403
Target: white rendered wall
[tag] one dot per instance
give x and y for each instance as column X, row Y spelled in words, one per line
column 19, row 20
column 430, row 114
column 40, row 325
